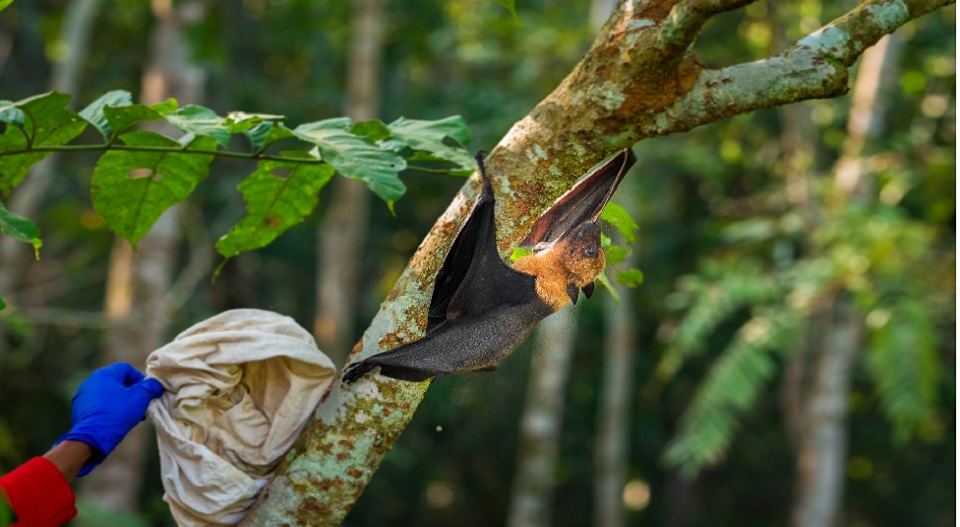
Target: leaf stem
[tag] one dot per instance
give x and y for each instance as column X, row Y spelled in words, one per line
column 255, row 156
column 159, row 149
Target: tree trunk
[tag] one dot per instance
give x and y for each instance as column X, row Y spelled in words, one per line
column 637, row 81
column 822, row 439
column 540, row 425
column 138, row 282
column 64, row 77
column 613, row 423
column 344, row 230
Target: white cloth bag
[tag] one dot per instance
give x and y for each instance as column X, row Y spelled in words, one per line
column 239, row 388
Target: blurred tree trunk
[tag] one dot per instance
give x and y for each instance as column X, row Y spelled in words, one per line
column 64, row 77
column 343, row 231
column 138, row 282
column 540, row 425
column 819, row 416
column 638, row 80
column 613, row 424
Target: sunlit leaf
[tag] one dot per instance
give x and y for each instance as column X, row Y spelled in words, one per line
column 3, row 5
column 620, row 218
column 46, row 122
column 241, row 121
column 356, row 157
column 520, row 252
column 201, row 121
column 94, row 112
column 278, row 194
column 20, row 228
column 131, row 189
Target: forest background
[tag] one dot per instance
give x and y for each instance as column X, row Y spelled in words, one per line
column 749, row 259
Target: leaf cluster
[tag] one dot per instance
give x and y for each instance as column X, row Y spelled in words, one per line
column 142, row 172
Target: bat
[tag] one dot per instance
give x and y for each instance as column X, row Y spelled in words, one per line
column 482, row 308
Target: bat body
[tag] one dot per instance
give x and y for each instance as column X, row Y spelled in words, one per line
column 481, row 308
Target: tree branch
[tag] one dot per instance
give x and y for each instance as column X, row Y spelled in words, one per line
column 636, row 81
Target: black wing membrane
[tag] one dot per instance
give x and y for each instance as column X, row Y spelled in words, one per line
column 583, row 202
column 473, row 279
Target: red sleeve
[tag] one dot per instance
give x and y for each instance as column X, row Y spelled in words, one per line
column 39, row 494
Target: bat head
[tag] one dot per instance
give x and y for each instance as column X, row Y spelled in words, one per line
column 583, row 256
column 567, row 255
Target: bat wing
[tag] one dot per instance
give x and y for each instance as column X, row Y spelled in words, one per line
column 473, row 279
column 582, row 203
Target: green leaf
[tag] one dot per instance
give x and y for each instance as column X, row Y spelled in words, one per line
column 131, row 189
column 122, row 118
column 94, row 112
column 46, row 122
column 201, row 121
column 615, row 255
column 21, row 229
column 3, row 5
column 3, row 305
column 620, row 218
column 630, row 277
column 267, row 133
column 373, row 130
column 279, row 195
column 511, row 6
column 356, row 157
column 428, row 136
column 605, row 282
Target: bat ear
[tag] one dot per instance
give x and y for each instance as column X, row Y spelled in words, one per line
column 588, row 290
column 573, row 291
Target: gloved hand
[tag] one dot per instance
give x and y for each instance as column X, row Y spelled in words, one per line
column 107, row 406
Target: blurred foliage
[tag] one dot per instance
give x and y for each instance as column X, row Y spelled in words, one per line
column 714, row 229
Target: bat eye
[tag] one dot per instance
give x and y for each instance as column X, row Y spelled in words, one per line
column 590, row 252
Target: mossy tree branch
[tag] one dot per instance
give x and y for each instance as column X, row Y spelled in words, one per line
column 638, row 80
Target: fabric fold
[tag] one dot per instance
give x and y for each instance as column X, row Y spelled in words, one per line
column 239, row 387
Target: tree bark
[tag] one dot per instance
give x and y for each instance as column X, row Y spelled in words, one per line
column 822, row 437
column 138, row 282
column 540, row 426
column 613, row 424
column 637, row 81
column 343, row 232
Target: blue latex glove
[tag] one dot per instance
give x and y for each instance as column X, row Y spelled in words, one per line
column 107, row 406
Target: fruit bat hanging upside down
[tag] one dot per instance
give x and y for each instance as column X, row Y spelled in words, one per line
column 481, row 308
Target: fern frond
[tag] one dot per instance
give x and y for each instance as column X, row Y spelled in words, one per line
column 730, row 389
column 714, row 296
column 903, row 364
